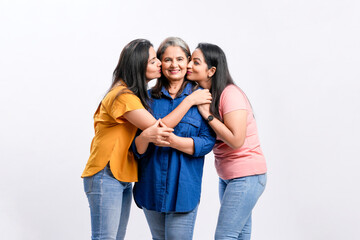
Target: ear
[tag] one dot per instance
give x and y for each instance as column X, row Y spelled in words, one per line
column 211, row 71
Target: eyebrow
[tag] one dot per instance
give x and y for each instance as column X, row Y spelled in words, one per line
column 151, row 59
column 197, row 59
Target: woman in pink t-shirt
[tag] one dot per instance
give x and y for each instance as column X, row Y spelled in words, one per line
column 239, row 160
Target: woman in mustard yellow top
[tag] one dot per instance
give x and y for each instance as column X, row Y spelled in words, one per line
column 111, row 167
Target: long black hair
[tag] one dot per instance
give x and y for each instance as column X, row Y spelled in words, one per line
column 215, row 57
column 162, row 81
column 131, row 69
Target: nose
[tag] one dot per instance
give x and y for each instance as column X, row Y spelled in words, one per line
column 158, row 62
column 189, row 66
column 173, row 63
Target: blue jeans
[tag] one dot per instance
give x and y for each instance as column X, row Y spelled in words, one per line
column 238, row 197
column 171, row 226
column 110, row 202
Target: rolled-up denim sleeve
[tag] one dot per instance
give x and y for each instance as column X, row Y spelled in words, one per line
column 204, row 143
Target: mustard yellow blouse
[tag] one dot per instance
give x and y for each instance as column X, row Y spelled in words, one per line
column 113, row 137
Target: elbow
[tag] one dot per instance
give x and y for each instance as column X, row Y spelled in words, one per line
column 238, row 143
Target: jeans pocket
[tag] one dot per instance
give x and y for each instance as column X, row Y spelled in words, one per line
column 262, row 179
column 88, row 182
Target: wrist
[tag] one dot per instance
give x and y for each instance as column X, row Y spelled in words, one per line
column 205, row 114
column 189, row 100
column 209, row 118
column 172, row 140
column 144, row 137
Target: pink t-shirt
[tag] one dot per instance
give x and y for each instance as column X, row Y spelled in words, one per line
column 247, row 160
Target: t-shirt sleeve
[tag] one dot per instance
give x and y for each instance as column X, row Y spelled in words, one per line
column 232, row 98
column 126, row 102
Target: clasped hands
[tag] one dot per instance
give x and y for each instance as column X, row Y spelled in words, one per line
column 159, row 134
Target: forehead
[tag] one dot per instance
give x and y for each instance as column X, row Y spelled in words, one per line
column 174, row 51
column 197, row 54
column 152, row 52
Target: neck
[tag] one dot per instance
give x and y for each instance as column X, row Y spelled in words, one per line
column 174, row 87
column 205, row 84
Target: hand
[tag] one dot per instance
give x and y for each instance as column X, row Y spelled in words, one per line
column 167, row 142
column 157, row 133
column 201, row 96
column 204, row 110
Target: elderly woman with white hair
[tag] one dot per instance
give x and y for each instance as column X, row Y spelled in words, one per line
column 170, row 176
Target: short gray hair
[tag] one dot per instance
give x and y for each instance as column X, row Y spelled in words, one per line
column 173, row 41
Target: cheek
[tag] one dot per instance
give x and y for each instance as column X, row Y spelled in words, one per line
column 200, row 72
column 164, row 65
column 184, row 65
column 150, row 69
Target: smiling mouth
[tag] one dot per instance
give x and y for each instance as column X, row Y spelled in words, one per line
column 174, row 71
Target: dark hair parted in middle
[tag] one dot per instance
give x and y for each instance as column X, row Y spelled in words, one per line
column 131, row 69
column 162, row 81
column 215, row 57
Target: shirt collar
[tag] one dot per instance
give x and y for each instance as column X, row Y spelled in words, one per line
column 187, row 90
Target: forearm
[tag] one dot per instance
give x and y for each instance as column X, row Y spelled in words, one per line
column 156, row 134
column 225, row 134
column 141, row 144
column 182, row 144
column 173, row 118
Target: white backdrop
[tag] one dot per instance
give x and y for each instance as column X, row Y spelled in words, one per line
column 298, row 62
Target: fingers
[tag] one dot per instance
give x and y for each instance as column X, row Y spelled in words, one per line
column 156, row 124
column 162, row 142
column 161, row 123
column 203, row 96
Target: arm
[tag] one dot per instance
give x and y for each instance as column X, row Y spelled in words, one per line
column 143, row 120
column 152, row 132
column 233, row 130
column 195, row 145
column 156, row 134
column 182, row 144
column 196, row 98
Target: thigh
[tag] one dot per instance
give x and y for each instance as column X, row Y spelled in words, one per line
column 222, row 187
column 180, row 225
column 156, row 222
column 240, row 197
column 105, row 195
column 125, row 210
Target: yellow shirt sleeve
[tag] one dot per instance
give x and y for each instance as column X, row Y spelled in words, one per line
column 126, row 102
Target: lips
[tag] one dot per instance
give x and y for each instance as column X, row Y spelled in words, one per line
column 174, row 71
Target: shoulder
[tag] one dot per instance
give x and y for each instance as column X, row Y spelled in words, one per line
column 231, row 88
column 118, row 89
column 232, row 91
column 232, row 98
column 120, row 94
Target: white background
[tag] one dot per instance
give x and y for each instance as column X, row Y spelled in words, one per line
column 298, row 62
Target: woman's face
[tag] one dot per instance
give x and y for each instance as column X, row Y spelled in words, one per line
column 174, row 63
column 153, row 69
column 197, row 69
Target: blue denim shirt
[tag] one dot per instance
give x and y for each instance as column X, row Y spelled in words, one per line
column 170, row 180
